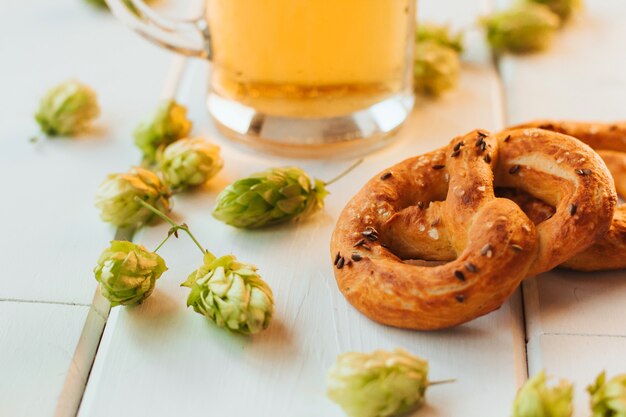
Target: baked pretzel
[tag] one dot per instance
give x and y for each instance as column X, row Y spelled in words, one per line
column 441, row 207
column 609, row 141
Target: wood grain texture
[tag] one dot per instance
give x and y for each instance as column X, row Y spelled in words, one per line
column 51, row 234
column 79, row 368
column 161, row 347
column 37, row 346
column 585, row 303
column 580, row 78
column 575, row 321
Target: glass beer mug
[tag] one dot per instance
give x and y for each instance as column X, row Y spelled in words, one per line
column 297, row 77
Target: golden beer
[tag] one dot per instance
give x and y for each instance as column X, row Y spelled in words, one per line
column 305, row 78
column 310, row 58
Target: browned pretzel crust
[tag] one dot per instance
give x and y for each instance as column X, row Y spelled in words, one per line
column 441, row 207
column 609, row 140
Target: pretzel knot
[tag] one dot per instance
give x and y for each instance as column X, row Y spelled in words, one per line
column 442, row 207
column 609, row 141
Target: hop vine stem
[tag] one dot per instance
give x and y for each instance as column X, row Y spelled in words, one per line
column 162, row 242
column 441, row 382
column 175, row 226
column 345, row 172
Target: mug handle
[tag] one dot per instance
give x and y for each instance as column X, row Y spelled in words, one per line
column 189, row 37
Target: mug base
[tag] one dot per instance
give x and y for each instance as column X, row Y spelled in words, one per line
column 348, row 135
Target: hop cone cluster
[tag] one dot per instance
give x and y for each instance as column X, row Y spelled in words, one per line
column 128, row 272
column 168, row 124
column 116, row 197
column 608, row 398
column 378, row 384
column 442, row 35
column 67, row 109
column 270, row 197
column 536, row 399
column 436, row 68
column 189, row 162
column 231, row 294
column 527, row 27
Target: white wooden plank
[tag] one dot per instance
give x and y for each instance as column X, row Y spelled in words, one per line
column 579, row 359
column 582, row 77
column 281, row 372
column 78, row 370
column 566, row 302
column 51, row 231
column 37, row 346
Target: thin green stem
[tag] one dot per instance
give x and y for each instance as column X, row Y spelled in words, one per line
column 171, row 222
column 186, row 229
column 443, row 381
column 156, row 211
column 345, row 172
column 162, row 243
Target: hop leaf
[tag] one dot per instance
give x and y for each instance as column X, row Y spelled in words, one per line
column 563, row 8
column 270, row 197
column 189, row 162
column 168, row 124
column 231, row 294
column 378, row 384
column 608, row 399
column 527, row 27
column 128, row 272
column 67, row 109
column 116, row 197
column 536, row 399
column 441, row 35
column 436, row 68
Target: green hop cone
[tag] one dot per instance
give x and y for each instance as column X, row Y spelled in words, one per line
column 167, row 124
column 378, row 384
column 436, row 68
column 563, row 8
column 128, row 272
column 270, row 197
column 442, row 35
column 189, row 162
column 527, row 27
column 608, row 398
column 231, row 294
column 67, row 109
column 536, row 399
column 116, row 197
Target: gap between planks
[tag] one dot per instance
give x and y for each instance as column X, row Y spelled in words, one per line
column 518, row 298
column 60, row 303
column 70, row 399
column 84, row 356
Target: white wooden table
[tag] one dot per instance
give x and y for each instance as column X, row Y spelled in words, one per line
column 63, row 354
